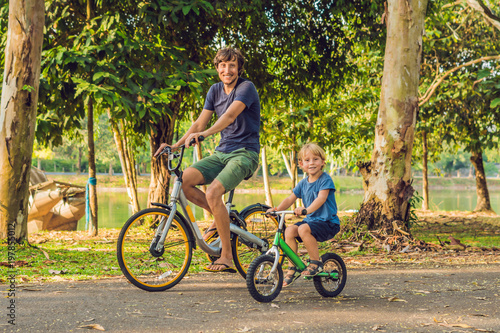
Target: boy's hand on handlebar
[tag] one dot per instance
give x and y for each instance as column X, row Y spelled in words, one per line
column 300, row 211
column 271, row 210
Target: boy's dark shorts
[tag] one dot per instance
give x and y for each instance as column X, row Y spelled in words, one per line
column 322, row 231
column 228, row 168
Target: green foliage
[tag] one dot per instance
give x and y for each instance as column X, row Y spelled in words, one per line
column 415, row 203
column 460, row 110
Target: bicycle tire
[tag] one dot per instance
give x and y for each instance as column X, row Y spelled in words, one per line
column 327, row 286
column 262, row 286
column 143, row 269
column 260, row 225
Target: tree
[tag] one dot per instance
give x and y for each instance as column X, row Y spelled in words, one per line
column 387, row 176
column 459, row 54
column 18, row 113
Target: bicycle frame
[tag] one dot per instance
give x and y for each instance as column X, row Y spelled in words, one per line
column 178, row 197
column 280, row 244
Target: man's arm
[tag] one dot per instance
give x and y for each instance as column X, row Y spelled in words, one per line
column 199, row 125
column 233, row 111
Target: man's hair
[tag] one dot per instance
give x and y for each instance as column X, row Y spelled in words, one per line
column 230, row 54
column 314, row 148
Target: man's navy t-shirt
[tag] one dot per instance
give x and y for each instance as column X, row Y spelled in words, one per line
column 244, row 131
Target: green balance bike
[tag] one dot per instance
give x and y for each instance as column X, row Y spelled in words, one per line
column 264, row 277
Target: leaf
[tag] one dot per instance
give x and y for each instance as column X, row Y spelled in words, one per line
column 395, row 299
column 186, row 9
column 495, row 103
column 45, row 254
column 93, row 327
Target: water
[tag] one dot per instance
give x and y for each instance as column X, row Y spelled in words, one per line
column 114, row 210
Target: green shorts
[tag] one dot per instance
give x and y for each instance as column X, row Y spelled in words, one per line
column 228, row 168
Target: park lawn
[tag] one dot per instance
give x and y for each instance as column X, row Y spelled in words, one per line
column 74, row 255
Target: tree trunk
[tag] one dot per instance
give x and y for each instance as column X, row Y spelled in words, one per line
column 18, row 114
column 387, row 177
column 163, row 132
column 425, row 180
column 483, row 196
column 265, row 175
column 79, row 162
column 93, row 227
column 122, row 148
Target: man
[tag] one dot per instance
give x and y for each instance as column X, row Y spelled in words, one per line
column 236, row 102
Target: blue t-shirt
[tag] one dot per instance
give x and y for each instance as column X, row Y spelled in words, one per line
column 244, row 131
column 308, row 192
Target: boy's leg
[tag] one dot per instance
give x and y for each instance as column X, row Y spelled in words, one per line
column 291, row 274
column 309, row 241
column 291, row 233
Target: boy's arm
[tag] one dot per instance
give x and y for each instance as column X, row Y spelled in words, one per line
column 317, row 203
column 284, row 204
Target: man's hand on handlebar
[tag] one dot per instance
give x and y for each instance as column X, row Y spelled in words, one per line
column 162, row 147
column 194, row 139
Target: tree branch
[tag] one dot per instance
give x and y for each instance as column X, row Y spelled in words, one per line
column 425, row 98
column 485, row 11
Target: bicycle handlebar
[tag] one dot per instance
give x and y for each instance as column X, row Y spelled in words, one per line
column 304, row 212
column 168, row 150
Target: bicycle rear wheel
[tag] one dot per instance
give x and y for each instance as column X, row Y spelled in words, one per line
column 149, row 270
column 260, row 225
column 327, row 286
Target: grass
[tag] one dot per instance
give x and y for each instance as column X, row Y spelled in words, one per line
column 471, row 229
column 74, row 255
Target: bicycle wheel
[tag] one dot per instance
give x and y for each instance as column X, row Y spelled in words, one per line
column 260, row 225
column 262, row 285
column 144, row 268
column 327, row 286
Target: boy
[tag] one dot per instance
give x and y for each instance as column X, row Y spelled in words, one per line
column 317, row 192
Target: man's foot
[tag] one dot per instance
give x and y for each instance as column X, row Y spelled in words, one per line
column 313, row 269
column 210, row 233
column 220, row 267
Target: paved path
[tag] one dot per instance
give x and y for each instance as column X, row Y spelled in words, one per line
column 390, row 300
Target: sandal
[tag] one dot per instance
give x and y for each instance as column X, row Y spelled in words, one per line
column 211, row 232
column 313, row 271
column 291, row 276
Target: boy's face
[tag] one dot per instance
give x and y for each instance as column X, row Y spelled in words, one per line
column 228, row 71
column 312, row 164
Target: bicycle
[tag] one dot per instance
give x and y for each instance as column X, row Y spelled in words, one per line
column 158, row 261
column 265, row 275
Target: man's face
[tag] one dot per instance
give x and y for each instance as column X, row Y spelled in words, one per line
column 228, row 71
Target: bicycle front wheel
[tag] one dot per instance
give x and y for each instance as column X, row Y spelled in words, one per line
column 260, row 225
column 262, row 284
column 152, row 270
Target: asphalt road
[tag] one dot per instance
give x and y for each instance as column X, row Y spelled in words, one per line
column 452, row 299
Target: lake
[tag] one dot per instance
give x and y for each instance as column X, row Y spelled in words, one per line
column 114, row 210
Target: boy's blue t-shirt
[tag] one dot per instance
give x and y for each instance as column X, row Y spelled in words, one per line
column 308, row 192
column 244, row 131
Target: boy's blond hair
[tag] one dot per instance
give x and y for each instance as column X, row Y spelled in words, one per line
column 313, row 148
